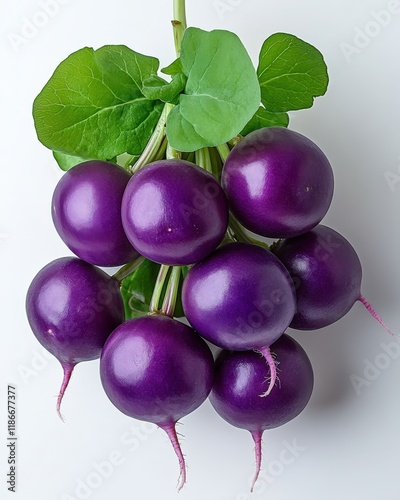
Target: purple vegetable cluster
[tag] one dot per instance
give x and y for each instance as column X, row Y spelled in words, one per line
column 239, row 294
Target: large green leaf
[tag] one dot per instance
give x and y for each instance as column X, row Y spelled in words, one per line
column 66, row 162
column 157, row 88
column 93, row 106
column 222, row 92
column 174, row 68
column 263, row 118
column 291, row 73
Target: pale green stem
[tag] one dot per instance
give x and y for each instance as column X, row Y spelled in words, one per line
column 190, row 157
column 161, row 151
column 216, row 163
column 179, row 24
column 224, row 151
column 238, row 230
column 203, row 159
column 241, row 234
column 127, row 164
column 173, row 154
column 128, row 269
column 171, row 293
column 235, row 140
column 152, row 148
column 158, row 287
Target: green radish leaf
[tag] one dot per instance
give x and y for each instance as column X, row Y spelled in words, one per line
column 174, row 68
column 93, row 106
column 291, row 73
column 264, row 118
column 157, row 88
column 222, row 92
column 126, row 161
column 137, row 290
column 65, row 162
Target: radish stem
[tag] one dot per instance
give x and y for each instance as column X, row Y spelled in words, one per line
column 179, row 24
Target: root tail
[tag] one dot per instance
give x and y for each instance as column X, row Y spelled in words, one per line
column 374, row 314
column 171, row 432
column 266, row 352
column 68, row 369
column 257, row 438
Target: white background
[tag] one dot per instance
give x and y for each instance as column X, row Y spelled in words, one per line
column 349, row 442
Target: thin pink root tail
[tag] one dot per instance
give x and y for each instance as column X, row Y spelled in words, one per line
column 374, row 314
column 68, row 369
column 171, row 432
column 257, row 438
column 266, row 352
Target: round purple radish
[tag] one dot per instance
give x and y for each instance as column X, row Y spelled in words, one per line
column 327, row 274
column 86, row 210
column 157, row 369
column 241, row 297
column 174, row 212
column 240, row 377
column 72, row 308
column 278, row 182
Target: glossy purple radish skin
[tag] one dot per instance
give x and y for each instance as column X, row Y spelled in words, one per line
column 278, row 182
column 72, row 308
column 159, row 370
column 174, row 212
column 86, row 211
column 241, row 297
column 327, row 273
column 240, row 377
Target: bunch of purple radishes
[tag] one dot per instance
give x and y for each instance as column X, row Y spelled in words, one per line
column 237, row 293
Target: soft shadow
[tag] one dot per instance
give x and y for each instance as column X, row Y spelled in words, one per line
column 328, row 350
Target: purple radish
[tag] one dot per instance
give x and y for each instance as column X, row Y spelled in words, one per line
column 72, row 308
column 157, row 369
column 278, row 182
column 327, row 273
column 174, row 212
column 241, row 297
column 239, row 378
column 86, row 210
